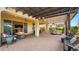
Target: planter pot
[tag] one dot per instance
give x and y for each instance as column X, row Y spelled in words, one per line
column 9, row 39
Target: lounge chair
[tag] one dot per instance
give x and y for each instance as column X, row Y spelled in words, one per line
column 71, row 44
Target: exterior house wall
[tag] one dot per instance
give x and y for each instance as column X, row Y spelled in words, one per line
column 0, row 24
column 1, row 8
column 0, row 21
column 14, row 16
column 0, row 27
column 43, row 26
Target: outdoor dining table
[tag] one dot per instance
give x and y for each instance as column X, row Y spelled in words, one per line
column 22, row 35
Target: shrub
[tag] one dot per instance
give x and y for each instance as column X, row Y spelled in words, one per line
column 74, row 29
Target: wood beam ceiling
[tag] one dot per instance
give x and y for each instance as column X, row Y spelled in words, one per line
column 52, row 12
column 60, row 13
column 44, row 11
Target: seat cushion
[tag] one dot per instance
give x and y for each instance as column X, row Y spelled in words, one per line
column 73, row 40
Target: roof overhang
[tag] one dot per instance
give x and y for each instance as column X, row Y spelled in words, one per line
column 45, row 12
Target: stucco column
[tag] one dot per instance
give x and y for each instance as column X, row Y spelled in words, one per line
column 46, row 27
column 67, row 24
column 68, row 21
column 65, row 27
column 37, row 28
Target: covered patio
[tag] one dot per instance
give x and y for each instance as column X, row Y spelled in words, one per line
column 35, row 21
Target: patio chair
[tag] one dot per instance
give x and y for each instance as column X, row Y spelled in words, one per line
column 20, row 36
column 28, row 34
column 65, row 42
column 2, row 39
column 63, row 36
column 70, row 45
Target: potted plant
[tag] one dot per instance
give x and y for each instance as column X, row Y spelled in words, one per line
column 9, row 39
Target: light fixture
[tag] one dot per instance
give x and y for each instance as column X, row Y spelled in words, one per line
column 26, row 15
column 30, row 17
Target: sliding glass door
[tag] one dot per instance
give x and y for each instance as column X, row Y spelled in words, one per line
column 8, row 27
column 25, row 27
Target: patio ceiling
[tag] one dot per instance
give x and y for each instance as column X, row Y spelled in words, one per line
column 47, row 12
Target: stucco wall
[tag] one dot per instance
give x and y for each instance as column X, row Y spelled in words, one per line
column 42, row 26
column 12, row 17
column 1, row 28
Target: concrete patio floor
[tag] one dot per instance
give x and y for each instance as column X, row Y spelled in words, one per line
column 46, row 42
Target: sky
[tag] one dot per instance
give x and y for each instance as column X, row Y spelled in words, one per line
column 75, row 19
